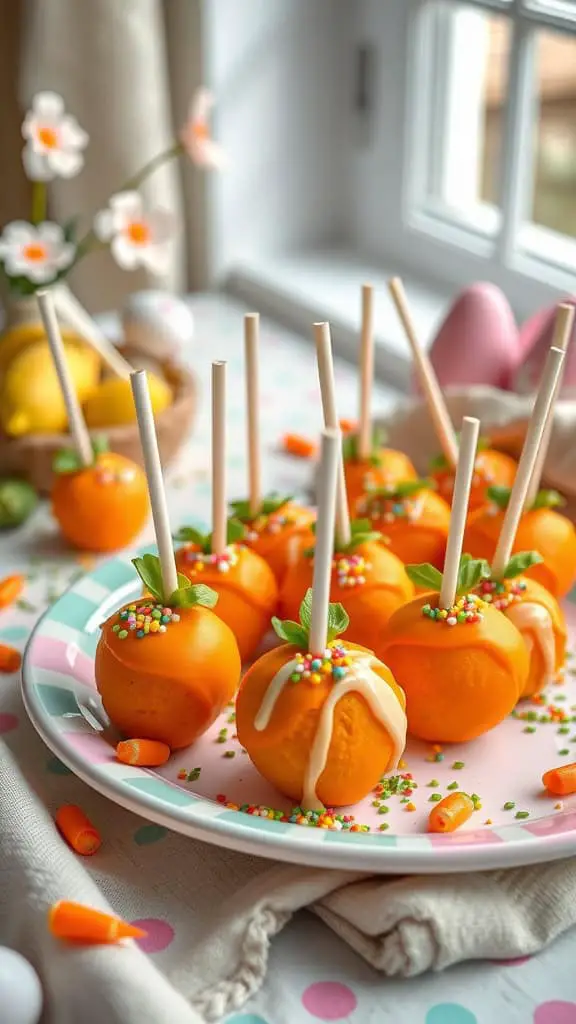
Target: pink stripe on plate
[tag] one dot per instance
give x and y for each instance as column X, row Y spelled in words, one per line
column 62, row 657
column 552, row 826
column 92, row 748
column 480, row 837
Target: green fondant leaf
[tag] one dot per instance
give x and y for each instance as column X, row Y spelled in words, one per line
column 189, row 535
column 305, row 613
column 441, row 462
column 500, row 496
column 403, row 489
column 338, row 621
column 150, row 572
column 235, row 531
column 520, row 562
column 291, row 632
column 350, row 446
column 190, row 594
column 67, row 460
column 425, row 575
column 471, row 571
column 548, row 499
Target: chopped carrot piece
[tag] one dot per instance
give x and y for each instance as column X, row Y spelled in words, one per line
column 10, row 589
column 10, row 659
column 348, row 426
column 77, row 830
column 147, row 753
column 295, row 444
column 76, row 923
column 450, row 813
column 561, row 781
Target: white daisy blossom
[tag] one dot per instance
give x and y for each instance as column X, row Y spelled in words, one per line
column 37, row 252
column 195, row 135
column 138, row 237
column 54, row 140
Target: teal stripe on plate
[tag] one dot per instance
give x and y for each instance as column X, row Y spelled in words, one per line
column 162, row 790
column 72, row 610
column 363, row 838
column 56, row 700
column 88, row 642
column 253, row 821
column 113, row 574
column 12, row 634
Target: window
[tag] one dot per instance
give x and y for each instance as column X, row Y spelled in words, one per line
column 493, row 156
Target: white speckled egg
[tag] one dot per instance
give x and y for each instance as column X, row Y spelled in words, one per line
column 20, row 990
column 157, row 324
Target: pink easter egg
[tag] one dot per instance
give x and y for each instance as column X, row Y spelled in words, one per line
column 535, row 339
column 478, row 341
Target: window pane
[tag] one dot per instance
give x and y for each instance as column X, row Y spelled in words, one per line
column 560, row 8
column 471, row 48
column 554, row 200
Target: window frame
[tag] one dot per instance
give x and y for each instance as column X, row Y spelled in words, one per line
column 491, row 245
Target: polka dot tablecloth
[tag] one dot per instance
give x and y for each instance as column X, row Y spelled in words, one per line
column 313, row 976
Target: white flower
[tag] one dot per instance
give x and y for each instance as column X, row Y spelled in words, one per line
column 195, row 135
column 138, row 238
column 54, row 140
column 37, row 252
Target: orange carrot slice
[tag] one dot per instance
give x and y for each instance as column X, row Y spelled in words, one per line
column 10, row 589
column 561, row 781
column 76, row 923
column 450, row 813
column 10, row 659
column 77, row 830
column 147, row 753
column 295, row 444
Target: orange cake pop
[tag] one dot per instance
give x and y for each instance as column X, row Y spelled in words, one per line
column 535, row 613
column 541, row 528
column 275, row 524
column 166, row 665
column 462, row 663
column 413, row 518
column 366, row 578
column 278, row 530
column 99, row 498
column 245, row 584
column 320, row 718
column 491, row 469
column 382, row 467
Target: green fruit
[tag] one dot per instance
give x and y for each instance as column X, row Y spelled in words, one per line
column 18, row 499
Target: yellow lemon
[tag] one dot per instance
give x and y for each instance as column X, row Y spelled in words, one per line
column 19, row 337
column 112, row 404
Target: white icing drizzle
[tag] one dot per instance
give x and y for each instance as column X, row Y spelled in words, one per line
column 360, row 678
column 535, row 624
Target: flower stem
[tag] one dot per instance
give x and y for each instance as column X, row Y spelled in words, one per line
column 39, row 201
column 88, row 242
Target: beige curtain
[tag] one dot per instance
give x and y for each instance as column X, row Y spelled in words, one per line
column 126, row 70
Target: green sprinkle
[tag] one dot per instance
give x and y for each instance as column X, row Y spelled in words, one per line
column 220, row 739
column 223, row 732
column 563, row 753
column 405, row 800
column 231, row 717
column 439, row 757
column 122, row 634
column 193, row 775
column 25, row 606
column 383, row 826
column 563, row 730
column 560, row 696
column 529, row 728
column 433, row 783
column 434, row 798
column 531, row 716
column 229, row 753
column 476, row 801
column 522, row 814
column 375, row 803
column 458, row 764
column 453, row 785
column 383, row 809
column 509, row 805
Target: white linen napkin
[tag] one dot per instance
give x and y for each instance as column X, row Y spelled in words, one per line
column 226, row 909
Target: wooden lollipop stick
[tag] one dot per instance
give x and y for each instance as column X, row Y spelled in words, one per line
column 460, row 498
column 328, row 392
column 152, row 465
column 330, row 460
column 80, row 320
column 76, row 421
column 563, row 325
column 366, row 373
column 219, row 517
column 525, row 470
column 428, row 382
column 251, row 332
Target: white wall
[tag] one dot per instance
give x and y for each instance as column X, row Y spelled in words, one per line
column 252, row 49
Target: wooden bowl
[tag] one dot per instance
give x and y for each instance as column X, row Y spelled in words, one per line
column 31, row 457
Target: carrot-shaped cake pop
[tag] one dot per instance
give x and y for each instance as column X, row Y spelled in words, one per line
column 166, row 665
column 99, row 498
column 462, row 663
column 367, row 462
column 275, row 524
column 321, row 718
column 527, row 604
column 414, row 519
column 491, row 467
column 245, row 584
column 366, row 577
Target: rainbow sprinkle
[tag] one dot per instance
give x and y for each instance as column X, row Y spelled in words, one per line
column 468, row 609
column 350, row 570
column 502, row 593
column 197, row 560
column 390, row 509
column 273, row 523
column 141, row 620
column 315, row 668
column 327, row 818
